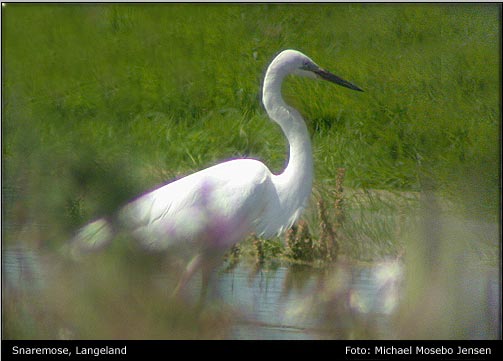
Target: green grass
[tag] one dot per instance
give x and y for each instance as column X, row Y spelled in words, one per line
column 111, row 100
column 103, row 102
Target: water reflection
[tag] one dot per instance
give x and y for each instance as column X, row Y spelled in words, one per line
column 351, row 300
column 304, row 303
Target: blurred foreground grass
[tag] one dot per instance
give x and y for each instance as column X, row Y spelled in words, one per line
column 104, row 102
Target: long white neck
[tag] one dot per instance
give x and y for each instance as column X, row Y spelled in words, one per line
column 295, row 182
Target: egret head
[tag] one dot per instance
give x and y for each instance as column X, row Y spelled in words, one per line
column 293, row 61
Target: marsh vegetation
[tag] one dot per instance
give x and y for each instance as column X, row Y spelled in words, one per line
column 102, row 102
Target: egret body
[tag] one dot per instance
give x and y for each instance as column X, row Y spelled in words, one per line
column 213, row 209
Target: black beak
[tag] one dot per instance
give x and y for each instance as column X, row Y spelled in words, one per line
column 335, row 79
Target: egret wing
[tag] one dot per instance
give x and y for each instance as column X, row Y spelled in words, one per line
column 220, row 204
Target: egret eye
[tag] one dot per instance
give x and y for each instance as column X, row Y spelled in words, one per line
column 222, row 205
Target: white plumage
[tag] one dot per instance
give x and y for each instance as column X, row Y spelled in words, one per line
column 214, row 208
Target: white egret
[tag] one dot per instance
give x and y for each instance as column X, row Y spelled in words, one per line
column 213, row 209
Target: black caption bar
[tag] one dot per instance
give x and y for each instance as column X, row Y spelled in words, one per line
column 335, row 350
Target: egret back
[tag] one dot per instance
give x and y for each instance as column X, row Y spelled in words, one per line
column 215, row 207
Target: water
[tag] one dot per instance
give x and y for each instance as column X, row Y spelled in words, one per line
column 273, row 308
column 266, row 305
column 269, row 303
column 350, row 300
